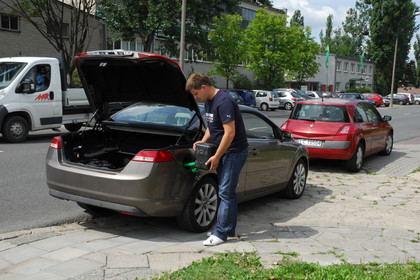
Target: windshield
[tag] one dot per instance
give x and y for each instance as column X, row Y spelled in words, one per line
column 324, row 113
column 155, row 114
column 9, row 71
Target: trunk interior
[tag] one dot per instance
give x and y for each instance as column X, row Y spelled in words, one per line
column 114, row 149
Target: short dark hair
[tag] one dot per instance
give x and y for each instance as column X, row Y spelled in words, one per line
column 195, row 81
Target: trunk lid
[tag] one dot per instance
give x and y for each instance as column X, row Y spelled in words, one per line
column 126, row 77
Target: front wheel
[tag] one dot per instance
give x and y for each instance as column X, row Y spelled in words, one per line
column 297, row 182
column 15, row 129
column 200, row 211
column 288, row 106
column 355, row 163
column 388, row 146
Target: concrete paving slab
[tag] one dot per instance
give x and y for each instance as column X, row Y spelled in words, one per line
column 74, row 267
column 21, row 253
column 124, row 261
column 66, row 254
column 33, row 266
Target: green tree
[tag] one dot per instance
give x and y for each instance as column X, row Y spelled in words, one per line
column 52, row 17
column 227, row 37
column 417, row 57
column 297, row 19
column 409, row 77
column 149, row 18
column 326, row 40
column 304, row 63
column 387, row 20
column 270, row 47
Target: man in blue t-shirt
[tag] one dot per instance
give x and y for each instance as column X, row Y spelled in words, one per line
column 225, row 129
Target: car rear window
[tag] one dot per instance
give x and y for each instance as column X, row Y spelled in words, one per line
column 324, row 113
column 154, row 114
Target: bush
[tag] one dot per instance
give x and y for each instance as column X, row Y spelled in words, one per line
column 242, row 82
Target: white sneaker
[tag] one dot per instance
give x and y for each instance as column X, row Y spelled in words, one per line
column 213, row 241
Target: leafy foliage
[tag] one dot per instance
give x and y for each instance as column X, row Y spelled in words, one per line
column 227, row 37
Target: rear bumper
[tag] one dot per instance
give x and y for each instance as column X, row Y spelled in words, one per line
column 341, row 150
column 146, row 190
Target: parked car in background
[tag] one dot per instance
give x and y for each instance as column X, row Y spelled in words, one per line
column 235, row 96
column 342, row 129
column 302, row 94
column 266, row 99
column 376, row 97
column 357, row 96
column 247, row 95
column 138, row 157
column 287, row 97
column 410, row 97
column 314, row 94
column 416, row 99
column 398, row 98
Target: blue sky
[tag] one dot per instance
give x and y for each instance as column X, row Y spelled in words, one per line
column 315, row 13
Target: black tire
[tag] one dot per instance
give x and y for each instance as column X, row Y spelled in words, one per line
column 296, row 185
column 73, row 126
column 200, row 211
column 355, row 163
column 288, row 106
column 417, row 102
column 15, row 129
column 388, row 146
column 264, row 107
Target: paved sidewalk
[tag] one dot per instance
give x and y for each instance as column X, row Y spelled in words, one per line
column 371, row 216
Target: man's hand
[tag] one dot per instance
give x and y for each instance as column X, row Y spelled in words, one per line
column 214, row 162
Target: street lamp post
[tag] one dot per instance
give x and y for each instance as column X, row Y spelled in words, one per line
column 182, row 39
column 395, row 58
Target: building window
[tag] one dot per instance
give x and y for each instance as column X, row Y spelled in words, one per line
column 346, row 67
column 338, row 65
column 337, row 86
column 247, row 16
column 352, row 68
column 9, row 22
column 61, row 29
column 370, row 69
column 358, row 68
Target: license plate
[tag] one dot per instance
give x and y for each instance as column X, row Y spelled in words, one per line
column 310, row 142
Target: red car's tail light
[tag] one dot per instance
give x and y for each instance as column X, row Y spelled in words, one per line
column 56, row 143
column 153, row 156
column 346, row 129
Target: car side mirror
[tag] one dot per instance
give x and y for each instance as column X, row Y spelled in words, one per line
column 26, row 86
column 387, row 118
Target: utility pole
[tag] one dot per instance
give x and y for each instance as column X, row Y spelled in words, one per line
column 182, row 39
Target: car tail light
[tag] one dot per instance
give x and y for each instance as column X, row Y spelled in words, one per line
column 153, row 156
column 56, row 143
column 294, row 99
column 271, row 99
column 346, row 129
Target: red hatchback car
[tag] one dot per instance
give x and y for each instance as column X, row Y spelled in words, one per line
column 374, row 96
column 343, row 129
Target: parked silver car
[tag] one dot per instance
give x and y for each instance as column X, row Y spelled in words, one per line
column 138, row 159
column 287, row 97
column 266, row 99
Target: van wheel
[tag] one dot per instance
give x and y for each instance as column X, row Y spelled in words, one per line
column 297, row 182
column 264, row 107
column 15, row 129
column 200, row 212
column 288, row 106
column 355, row 163
column 73, row 126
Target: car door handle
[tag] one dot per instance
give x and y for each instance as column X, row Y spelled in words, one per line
column 51, row 95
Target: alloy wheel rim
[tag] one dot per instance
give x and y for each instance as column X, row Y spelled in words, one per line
column 206, row 205
column 299, row 180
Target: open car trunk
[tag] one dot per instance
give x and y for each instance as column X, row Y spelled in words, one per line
column 115, row 149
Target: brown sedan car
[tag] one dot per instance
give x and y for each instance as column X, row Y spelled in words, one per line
column 138, row 159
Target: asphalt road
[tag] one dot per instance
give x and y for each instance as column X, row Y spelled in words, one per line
column 24, row 199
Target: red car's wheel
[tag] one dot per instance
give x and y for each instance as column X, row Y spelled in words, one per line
column 355, row 163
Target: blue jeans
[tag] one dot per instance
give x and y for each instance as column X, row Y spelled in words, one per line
column 228, row 171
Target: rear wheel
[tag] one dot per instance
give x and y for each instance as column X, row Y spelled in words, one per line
column 401, row 103
column 15, row 129
column 200, row 212
column 355, row 163
column 297, row 182
column 288, row 106
column 264, row 107
column 388, row 146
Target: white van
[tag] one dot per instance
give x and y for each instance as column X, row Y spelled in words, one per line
column 266, row 99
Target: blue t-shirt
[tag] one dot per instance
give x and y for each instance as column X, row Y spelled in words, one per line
column 220, row 110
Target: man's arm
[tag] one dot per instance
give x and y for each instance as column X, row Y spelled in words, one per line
column 227, row 139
